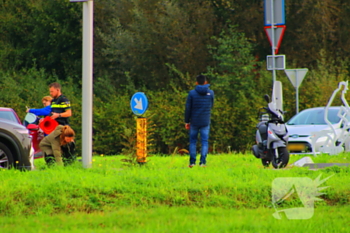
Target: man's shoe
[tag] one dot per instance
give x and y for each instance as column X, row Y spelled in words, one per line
column 203, row 165
column 191, row 165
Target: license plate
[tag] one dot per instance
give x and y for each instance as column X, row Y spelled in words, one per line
column 296, row 147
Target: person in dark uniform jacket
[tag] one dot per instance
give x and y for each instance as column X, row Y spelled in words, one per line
column 60, row 105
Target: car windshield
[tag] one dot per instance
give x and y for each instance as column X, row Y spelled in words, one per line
column 314, row 117
column 8, row 115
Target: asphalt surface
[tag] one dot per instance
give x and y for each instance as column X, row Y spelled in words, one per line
column 323, row 165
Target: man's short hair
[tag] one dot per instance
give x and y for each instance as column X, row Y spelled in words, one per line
column 55, row 85
column 201, row 79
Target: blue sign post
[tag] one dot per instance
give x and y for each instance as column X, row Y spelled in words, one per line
column 274, row 19
column 139, row 103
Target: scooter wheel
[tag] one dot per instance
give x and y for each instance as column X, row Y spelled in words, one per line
column 283, row 157
column 265, row 162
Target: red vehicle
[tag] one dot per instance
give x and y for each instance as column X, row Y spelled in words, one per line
column 37, row 135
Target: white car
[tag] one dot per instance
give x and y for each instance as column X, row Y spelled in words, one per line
column 309, row 128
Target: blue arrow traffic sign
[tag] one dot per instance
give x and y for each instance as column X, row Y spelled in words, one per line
column 139, row 103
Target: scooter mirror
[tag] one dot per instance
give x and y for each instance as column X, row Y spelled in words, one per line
column 267, row 98
column 33, row 127
column 30, row 118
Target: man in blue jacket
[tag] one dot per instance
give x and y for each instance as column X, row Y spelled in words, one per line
column 197, row 118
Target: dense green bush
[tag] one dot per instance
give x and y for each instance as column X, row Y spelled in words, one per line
column 27, row 87
column 237, row 77
column 111, row 119
column 233, row 120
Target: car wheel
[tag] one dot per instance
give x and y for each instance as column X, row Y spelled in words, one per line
column 283, row 157
column 6, row 158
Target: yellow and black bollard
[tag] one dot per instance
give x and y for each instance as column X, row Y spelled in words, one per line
column 141, row 140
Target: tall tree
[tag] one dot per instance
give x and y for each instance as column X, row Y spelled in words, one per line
column 45, row 34
column 239, row 81
column 148, row 35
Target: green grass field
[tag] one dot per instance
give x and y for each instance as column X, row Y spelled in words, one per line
column 231, row 194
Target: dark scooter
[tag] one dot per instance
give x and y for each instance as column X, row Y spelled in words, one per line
column 271, row 137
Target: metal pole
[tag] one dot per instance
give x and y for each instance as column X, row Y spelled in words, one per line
column 87, row 84
column 297, row 91
column 273, row 43
column 297, row 99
